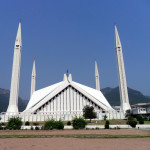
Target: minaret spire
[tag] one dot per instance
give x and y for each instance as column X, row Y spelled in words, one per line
column 14, row 91
column 121, row 74
column 97, row 77
column 67, row 73
column 33, row 79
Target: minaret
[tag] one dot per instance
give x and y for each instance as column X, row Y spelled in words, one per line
column 97, row 77
column 121, row 74
column 13, row 100
column 33, row 79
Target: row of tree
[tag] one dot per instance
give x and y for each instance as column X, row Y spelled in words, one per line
column 78, row 123
column 15, row 123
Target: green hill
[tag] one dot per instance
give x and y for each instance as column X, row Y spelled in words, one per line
column 4, row 100
column 112, row 95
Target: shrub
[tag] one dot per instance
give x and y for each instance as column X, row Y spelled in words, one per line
column 139, row 117
column 145, row 119
column 69, row 123
column 27, row 123
column 141, row 121
column 51, row 124
column 79, row 123
column 1, row 128
column 36, row 128
column 132, row 123
column 130, row 118
column 89, row 113
column 3, row 124
column 58, row 125
column 107, row 124
column 14, row 123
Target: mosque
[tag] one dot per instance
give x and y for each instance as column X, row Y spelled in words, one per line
column 66, row 96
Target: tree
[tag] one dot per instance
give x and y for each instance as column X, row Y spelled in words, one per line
column 14, row 123
column 107, row 124
column 140, row 119
column 69, row 123
column 88, row 112
column 132, row 122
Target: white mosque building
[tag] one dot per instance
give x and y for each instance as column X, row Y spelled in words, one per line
column 66, row 97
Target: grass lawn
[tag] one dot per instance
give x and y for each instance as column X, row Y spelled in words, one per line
column 102, row 133
column 75, row 136
column 102, row 122
column 112, row 122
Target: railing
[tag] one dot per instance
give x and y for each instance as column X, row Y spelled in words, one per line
column 64, row 116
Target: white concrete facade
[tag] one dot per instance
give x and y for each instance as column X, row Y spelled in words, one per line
column 13, row 101
column 124, row 100
column 66, row 96
column 63, row 115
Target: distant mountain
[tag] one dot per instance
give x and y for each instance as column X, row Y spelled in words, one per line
column 112, row 95
column 26, row 102
column 147, row 96
column 4, row 101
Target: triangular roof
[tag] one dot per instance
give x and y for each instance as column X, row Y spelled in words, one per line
column 42, row 96
column 97, row 95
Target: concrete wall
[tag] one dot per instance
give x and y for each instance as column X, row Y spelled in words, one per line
column 65, row 116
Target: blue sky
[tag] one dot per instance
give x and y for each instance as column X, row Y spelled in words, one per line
column 71, row 34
